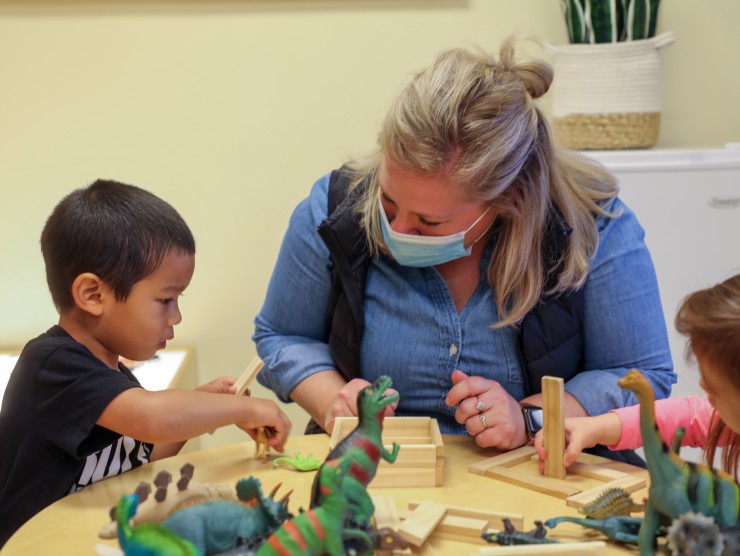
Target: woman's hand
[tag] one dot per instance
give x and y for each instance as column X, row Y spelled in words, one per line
column 345, row 403
column 582, row 433
column 488, row 412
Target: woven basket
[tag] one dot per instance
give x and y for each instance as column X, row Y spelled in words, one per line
column 608, row 96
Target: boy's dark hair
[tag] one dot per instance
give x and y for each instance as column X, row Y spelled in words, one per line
column 118, row 232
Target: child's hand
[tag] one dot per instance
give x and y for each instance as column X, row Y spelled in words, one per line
column 582, row 433
column 266, row 413
column 223, row 385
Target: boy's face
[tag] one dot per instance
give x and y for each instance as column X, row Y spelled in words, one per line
column 140, row 326
column 722, row 394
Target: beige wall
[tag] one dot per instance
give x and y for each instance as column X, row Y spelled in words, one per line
column 230, row 110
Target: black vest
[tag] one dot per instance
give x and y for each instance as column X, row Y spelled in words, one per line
column 550, row 335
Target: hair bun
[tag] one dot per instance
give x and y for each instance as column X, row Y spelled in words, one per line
column 535, row 74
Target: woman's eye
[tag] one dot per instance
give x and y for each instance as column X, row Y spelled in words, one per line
column 429, row 224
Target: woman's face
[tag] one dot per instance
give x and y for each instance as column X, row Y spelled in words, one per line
column 722, row 394
column 428, row 205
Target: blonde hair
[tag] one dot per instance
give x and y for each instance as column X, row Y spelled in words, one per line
column 473, row 119
column 710, row 319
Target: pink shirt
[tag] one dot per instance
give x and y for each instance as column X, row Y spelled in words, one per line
column 693, row 412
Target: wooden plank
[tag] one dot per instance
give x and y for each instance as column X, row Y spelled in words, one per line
column 386, row 512
column 553, row 487
column 591, row 470
column 249, row 374
column 514, row 457
column 405, row 477
column 494, row 520
column 630, row 483
column 595, row 548
column 553, row 425
column 421, row 522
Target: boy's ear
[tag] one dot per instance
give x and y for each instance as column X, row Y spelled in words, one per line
column 88, row 292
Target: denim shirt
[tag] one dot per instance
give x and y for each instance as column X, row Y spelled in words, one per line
column 414, row 334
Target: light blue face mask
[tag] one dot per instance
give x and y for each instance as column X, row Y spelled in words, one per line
column 422, row 251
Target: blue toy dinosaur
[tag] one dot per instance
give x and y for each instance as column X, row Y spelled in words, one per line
column 215, row 526
column 676, row 486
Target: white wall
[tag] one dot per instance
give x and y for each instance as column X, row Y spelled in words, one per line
column 230, row 110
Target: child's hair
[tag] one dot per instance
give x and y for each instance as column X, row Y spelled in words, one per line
column 710, row 319
column 116, row 231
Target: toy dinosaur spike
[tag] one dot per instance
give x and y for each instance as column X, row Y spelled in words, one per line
column 676, row 487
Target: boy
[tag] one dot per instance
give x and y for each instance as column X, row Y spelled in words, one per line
column 117, row 259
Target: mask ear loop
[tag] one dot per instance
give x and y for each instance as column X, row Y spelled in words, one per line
column 487, row 227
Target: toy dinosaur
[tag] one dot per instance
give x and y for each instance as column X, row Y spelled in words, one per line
column 364, row 448
column 622, row 528
column 321, row 529
column 148, row 539
column 676, row 486
column 612, row 501
column 298, row 462
column 510, row 536
column 215, row 526
column 167, row 497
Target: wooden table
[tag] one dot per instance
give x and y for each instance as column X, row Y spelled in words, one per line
column 70, row 526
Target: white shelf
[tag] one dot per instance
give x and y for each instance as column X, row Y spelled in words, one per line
column 662, row 160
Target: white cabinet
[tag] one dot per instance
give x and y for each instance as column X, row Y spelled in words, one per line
column 688, row 202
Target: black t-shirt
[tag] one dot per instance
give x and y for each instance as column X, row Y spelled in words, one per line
column 50, row 444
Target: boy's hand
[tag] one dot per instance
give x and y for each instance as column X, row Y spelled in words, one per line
column 222, row 385
column 266, row 413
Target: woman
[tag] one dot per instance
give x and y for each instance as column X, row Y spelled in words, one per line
column 469, row 259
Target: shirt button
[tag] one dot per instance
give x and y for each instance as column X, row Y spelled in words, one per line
column 453, row 349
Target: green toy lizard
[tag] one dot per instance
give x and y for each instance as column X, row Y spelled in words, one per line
column 298, row 462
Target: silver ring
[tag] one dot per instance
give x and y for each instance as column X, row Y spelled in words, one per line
column 482, row 418
column 480, row 406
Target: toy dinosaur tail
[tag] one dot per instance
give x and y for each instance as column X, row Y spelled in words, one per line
column 125, row 510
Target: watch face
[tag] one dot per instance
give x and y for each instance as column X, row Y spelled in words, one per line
column 532, row 419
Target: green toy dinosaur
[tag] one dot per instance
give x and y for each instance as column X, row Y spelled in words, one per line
column 622, row 528
column 147, row 539
column 676, row 486
column 298, row 462
column 321, row 529
column 364, row 448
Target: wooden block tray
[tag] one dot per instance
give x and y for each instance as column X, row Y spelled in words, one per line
column 420, row 460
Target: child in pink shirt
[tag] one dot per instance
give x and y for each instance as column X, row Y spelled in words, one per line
column 710, row 319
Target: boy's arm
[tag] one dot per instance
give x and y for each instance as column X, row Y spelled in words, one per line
column 174, row 416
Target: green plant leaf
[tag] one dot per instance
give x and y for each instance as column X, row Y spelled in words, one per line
column 573, row 11
column 654, row 5
column 602, row 15
column 638, row 19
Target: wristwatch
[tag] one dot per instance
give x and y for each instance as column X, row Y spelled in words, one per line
column 532, row 419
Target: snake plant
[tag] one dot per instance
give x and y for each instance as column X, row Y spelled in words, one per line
column 598, row 21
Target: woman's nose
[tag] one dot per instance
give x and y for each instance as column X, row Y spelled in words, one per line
column 404, row 224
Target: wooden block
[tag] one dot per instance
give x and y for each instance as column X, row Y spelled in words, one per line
column 553, row 487
column 386, row 513
column 595, row 548
column 553, row 425
column 408, row 477
column 514, row 457
column 494, row 520
column 629, row 483
column 249, row 374
column 421, row 522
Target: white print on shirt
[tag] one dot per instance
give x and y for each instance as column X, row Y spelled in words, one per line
column 126, row 453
